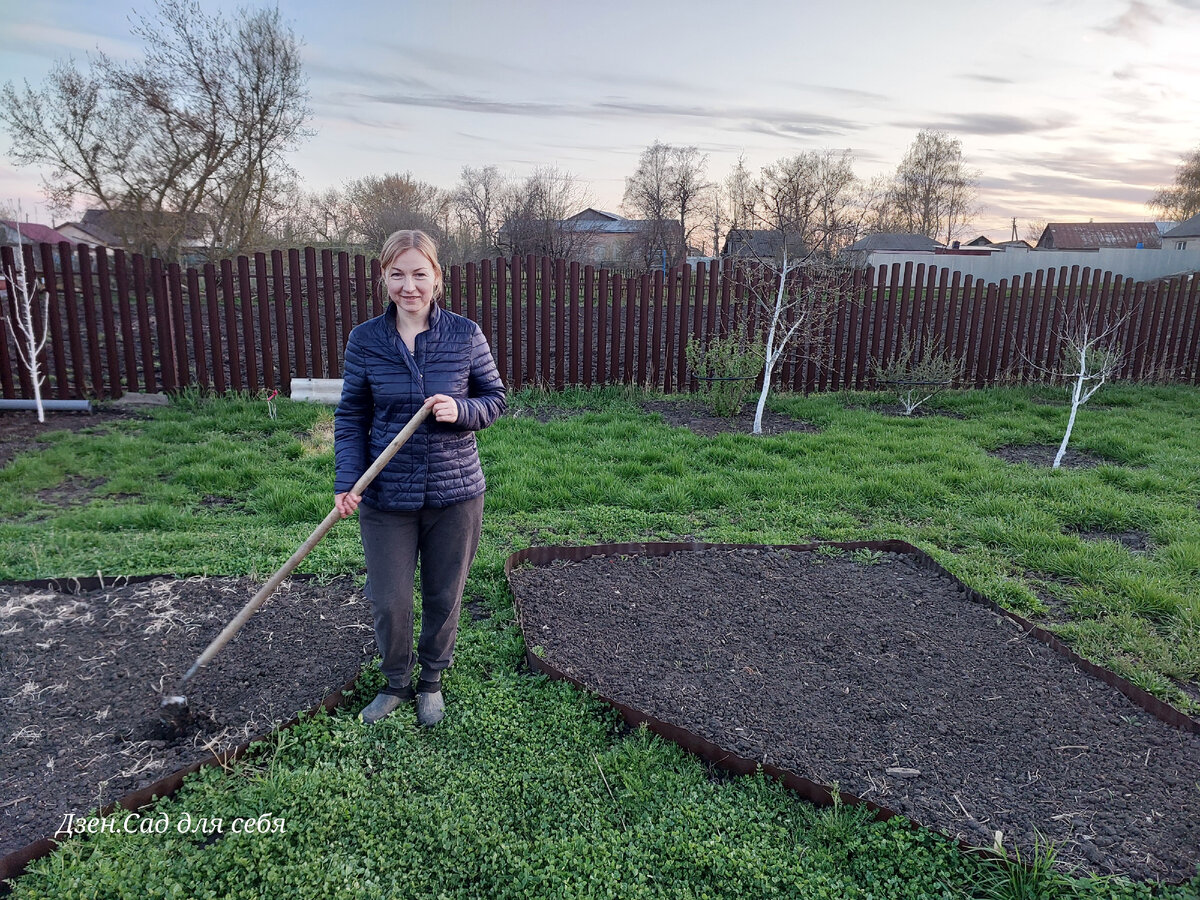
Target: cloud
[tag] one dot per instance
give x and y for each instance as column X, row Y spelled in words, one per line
column 351, row 73
column 989, row 124
column 1045, row 185
column 1092, row 163
column 989, row 79
column 51, row 40
column 766, row 120
column 1134, row 23
column 840, row 92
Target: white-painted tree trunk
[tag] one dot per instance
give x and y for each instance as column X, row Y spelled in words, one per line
column 29, row 344
column 769, row 359
column 774, row 349
column 1075, row 393
column 1078, row 395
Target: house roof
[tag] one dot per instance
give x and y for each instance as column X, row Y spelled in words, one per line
column 31, row 233
column 597, row 221
column 981, row 241
column 762, row 243
column 1186, row 228
column 95, row 232
column 103, row 221
column 1094, row 235
column 889, row 241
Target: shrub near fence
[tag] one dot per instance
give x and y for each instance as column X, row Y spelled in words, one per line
column 125, row 323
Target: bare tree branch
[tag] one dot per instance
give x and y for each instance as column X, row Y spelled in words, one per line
column 193, row 134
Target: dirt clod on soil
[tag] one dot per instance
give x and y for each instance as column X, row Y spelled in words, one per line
column 841, row 669
column 82, row 677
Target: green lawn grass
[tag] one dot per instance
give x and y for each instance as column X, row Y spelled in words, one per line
column 530, row 788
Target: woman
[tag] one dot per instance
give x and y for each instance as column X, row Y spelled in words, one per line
column 427, row 504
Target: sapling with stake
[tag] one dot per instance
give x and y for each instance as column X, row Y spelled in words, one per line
column 17, row 315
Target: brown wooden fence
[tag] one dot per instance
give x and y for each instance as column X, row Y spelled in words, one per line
column 125, row 323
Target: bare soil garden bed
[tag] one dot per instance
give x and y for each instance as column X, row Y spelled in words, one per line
column 881, row 676
column 1043, row 455
column 82, row 673
column 21, row 432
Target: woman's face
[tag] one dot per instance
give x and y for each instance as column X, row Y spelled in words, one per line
column 410, row 281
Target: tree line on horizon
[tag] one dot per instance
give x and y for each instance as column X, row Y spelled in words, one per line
column 198, row 131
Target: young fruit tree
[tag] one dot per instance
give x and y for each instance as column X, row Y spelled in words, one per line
column 1090, row 357
column 918, row 372
column 17, row 315
column 796, row 217
column 797, row 297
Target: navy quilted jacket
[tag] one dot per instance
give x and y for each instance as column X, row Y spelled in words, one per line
column 382, row 388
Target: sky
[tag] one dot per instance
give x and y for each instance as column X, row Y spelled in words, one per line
column 1075, row 110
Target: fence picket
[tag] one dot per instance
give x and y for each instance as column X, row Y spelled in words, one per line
column 249, row 339
column 263, row 300
column 602, row 304
column 197, row 328
column 90, row 310
column 589, row 356
column 573, row 317
column 329, row 324
column 1189, row 324
column 281, row 322
column 514, row 325
column 362, row 291
column 559, row 350
column 172, row 280
column 8, row 265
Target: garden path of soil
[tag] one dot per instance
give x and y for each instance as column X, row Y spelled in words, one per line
column 81, row 676
column 838, row 670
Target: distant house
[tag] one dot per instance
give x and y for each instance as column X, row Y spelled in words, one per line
column 893, row 242
column 762, row 244
column 29, row 234
column 981, row 241
column 1184, row 236
column 91, row 234
column 1097, row 235
column 613, row 239
column 149, row 230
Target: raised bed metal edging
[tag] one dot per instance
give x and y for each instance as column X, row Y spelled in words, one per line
column 740, row 765
column 12, row 865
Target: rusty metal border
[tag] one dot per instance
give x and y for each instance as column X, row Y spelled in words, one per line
column 13, row 864
column 741, row 765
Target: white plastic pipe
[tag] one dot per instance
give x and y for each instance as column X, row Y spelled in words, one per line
column 48, row 405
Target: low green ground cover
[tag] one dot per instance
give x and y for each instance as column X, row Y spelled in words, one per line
column 531, row 789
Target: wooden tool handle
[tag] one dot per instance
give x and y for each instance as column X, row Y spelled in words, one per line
column 319, row 532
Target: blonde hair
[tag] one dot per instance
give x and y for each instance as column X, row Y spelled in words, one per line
column 410, row 239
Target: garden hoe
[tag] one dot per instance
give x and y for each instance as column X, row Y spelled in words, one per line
column 174, row 708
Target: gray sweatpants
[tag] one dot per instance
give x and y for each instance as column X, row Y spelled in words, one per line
column 444, row 541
